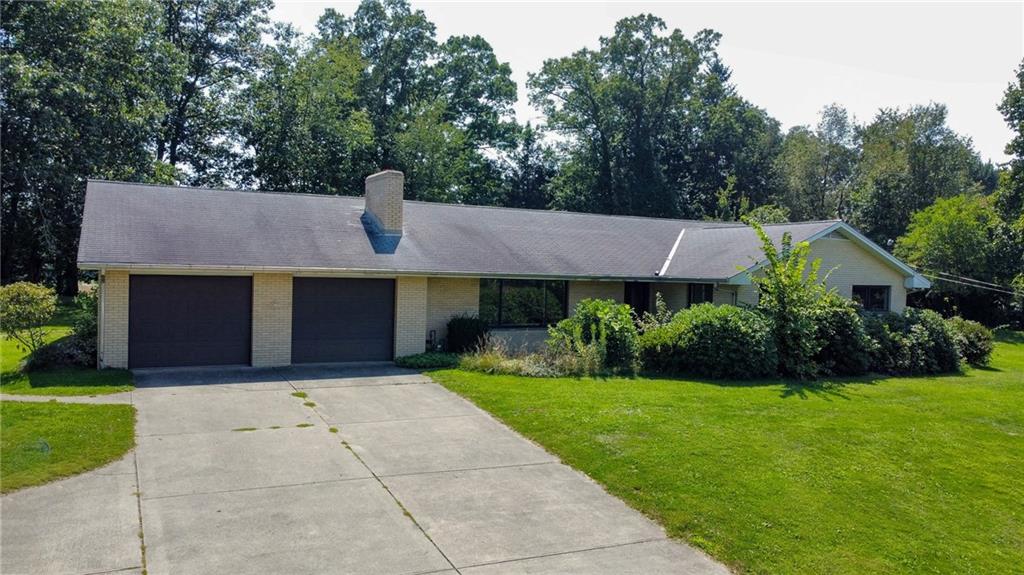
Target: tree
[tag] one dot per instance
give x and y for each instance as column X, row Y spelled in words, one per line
column 25, row 308
column 81, row 98
column 533, row 167
column 908, row 160
column 218, row 44
column 1010, row 194
column 652, row 126
column 817, row 167
column 306, row 127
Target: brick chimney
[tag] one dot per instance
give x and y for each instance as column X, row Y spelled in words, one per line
column 384, row 192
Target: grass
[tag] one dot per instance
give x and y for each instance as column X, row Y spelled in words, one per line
column 41, row 442
column 885, row 475
column 62, row 381
column 299, row 394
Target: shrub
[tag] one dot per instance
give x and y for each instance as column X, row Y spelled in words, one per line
column 85, row 317
column 844, row 347
column 605, row 323
column 653, row 320
column 24, row 309
column 916, row 342
column 494, row 358
column 789, row 291
column 465, row 333
column 974, row 342
column 71, row 351
column 428, row 360
column 713, row 341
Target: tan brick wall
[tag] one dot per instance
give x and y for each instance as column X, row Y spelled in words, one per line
column 271, row 319
column 581, row 290
column 410, row 315
column 384, row 194
column 113, row 320
column 447, row 297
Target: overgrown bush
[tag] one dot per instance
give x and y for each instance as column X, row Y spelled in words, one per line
column 844, row 347
column 713, row 341
column 70, row 351
column 428, row 360
column 916, row 342
column 599, row 326
column 789, row 291
column 661, row 316
column 495, row 358
column 25, row 308
column 974, row 342
column 465, row 333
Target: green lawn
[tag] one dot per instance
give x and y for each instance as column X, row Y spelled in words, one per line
column 893, row 475
column 56, row 381
column 40, row 442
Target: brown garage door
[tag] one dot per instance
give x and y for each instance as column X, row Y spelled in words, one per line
column 336, row 319
column 189, row 320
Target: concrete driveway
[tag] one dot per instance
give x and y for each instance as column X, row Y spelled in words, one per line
column 375, row 470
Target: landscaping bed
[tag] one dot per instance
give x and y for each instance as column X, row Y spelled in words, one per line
column 859, row 475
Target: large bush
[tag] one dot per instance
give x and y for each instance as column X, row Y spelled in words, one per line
column 602, row 323
column 713, row 341
column 844, row 347
column 974, row 342
column 25, row 308
column 915, row 342
column 789, row 292
column 465, row 333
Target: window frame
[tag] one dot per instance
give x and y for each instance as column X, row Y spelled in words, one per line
column 500, row 324
column 888, row 297
column 708, row 288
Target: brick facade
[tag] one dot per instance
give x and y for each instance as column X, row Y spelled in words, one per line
column 448, row 297
column 581, row 290
column 410, row 315
column 271, row 319
column 112, row 343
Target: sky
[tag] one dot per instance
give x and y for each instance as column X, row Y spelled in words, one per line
column 791, row 59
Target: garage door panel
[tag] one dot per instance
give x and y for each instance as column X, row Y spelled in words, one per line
column 189, row 321
column 342, row 319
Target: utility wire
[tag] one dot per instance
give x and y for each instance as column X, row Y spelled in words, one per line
column 973, row 280
column 975, row 285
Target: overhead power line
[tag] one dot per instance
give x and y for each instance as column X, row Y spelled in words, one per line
column 973, row 285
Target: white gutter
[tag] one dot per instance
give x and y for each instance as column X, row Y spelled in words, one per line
column 671, row 254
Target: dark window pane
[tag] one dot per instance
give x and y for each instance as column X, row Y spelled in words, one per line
column 555, row 304
column 489, row 298
column 522, row 302
column 872, row 298
column 701, row 293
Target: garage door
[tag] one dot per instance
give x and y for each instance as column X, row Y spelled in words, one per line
column 336, row 319
column 189, row 320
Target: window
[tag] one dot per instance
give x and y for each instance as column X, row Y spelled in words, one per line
column 701, row 293
column 522, row 303
column 872, row 298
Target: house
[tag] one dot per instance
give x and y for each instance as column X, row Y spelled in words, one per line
column 214, row 277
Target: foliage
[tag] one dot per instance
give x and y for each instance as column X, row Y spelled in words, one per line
column 844, row 347
column 25, row 309
column 789, row 291
column 603, row 322
column 630, row 111
column 495, row 358
column 974, row 342
column 908, row 160
column 722, row 342
column 769, row 214
column 661, row 316
column 818, row 167
column 85, row 318
column 46, row 441
column 916, row 342
column 465, row 333
column 82, row 97
column 781, row 477
column 428, row 360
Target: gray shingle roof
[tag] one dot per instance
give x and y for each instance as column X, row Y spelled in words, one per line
column 164, row 226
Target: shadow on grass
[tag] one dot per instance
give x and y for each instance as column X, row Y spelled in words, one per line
column 1009, row 336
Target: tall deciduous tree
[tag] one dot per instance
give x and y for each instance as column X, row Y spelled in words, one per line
column 817, row 167
column 305, row 124
column 81, row 85
column 218, row 44
column 908, row 160
column 652, row 125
